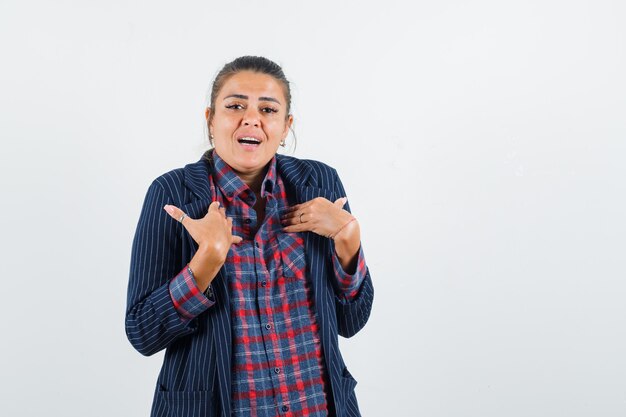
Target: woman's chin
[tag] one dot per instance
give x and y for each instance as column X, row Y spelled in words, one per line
column 250, row 165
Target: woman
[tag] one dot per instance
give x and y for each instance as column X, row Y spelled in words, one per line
column 246, row 267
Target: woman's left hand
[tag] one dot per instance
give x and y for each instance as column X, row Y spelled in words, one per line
column 319, row 216
column 329, row 220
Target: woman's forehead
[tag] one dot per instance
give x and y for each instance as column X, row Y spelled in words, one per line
column 252, row 85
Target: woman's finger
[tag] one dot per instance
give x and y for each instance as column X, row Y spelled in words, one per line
column 305, row 212
column 235, row 239
column 291, row 215
column 298, row 218
column 214, row 206
column 292, row 208
column 306, row 205
column 296, row 228
column 299, row 207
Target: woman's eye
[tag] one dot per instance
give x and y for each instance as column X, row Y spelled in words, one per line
column 234, row 106
column 269, row 110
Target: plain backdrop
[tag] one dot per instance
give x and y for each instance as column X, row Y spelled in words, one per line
column 482, row 145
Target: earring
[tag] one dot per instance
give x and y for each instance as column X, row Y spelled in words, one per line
column 282, row 143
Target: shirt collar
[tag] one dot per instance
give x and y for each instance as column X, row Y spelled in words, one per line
column 231, row 185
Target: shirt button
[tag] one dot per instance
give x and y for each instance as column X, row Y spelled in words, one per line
column 256, row 244
column 285, row 408
column 276, row 370
column 247, row 221
column 268, row 326
column 264, row 283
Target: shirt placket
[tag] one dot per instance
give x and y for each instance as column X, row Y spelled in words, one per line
column 267, row 275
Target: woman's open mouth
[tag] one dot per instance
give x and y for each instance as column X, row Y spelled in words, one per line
column 249, row 141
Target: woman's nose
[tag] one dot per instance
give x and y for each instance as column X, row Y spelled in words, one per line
column 251, row 117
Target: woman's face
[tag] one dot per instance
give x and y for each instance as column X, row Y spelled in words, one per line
column 249, row 121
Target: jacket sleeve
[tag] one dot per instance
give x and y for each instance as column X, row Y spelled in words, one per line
column 353, row 313
column 152, row 320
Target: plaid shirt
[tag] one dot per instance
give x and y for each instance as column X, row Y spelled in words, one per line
column 278, row 369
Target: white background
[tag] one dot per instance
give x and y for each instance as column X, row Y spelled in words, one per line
column 482, row 145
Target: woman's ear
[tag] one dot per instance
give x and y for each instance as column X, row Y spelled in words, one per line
column 287, row 126
column 208, row 115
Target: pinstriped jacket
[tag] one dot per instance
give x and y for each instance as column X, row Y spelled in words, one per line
column 195, row 379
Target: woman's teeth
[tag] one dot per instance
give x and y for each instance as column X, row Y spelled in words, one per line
column 249, row 141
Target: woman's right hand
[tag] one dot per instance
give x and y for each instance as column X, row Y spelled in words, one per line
column 213, row 234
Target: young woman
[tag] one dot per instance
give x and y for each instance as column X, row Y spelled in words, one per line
column 247, row 265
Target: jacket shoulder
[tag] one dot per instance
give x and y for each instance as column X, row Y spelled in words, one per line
column 323, row 175
column 177, row 177
column 320, row 167
column 171, row 180
column 292, row 160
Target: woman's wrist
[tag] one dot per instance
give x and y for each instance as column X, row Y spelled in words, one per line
column 347, row 244
column 342, row 228
column 204, row 268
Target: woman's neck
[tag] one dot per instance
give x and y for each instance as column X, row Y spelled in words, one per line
column 253, row 180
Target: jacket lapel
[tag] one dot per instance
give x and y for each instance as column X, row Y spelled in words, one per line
column 299, row 180
column 197, row 181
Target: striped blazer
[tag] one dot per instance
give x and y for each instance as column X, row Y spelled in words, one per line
column 195, row 379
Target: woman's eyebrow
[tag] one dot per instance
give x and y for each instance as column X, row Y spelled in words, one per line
column 244, row 97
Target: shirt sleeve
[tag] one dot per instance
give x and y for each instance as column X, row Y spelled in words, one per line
column 188, row 300
column 349, row 284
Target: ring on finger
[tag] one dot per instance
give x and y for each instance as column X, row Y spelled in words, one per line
column 301, row 217
column 182, row 217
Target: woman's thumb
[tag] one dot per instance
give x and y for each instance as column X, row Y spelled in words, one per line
column 173, row 211
column 340, row 202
